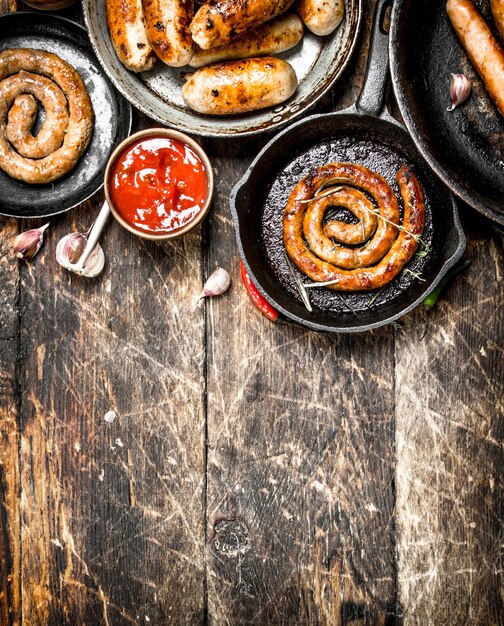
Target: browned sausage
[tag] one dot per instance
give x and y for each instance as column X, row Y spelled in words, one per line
column 218, row 22
column 484, row 52
column 280, row 34
column 126, row 25
column 322, row 17
column 167, row 23
column 402, row 246
column 497, row 7
column 22, row 89
column 240, row 86
column 80, row 124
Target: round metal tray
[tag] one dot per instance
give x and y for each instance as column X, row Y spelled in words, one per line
column 318, row 62
column 112, row 116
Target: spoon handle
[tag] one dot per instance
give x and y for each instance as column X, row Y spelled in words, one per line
column 94, row 235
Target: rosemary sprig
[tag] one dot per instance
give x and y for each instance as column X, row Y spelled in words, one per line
column 322, row 284
column 319, row 194
column 375, row 296
column 416, row 275
column 300, row 286
column 345, row 303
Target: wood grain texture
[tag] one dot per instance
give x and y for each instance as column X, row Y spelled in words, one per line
column 300, row 462
column 450, row 440
column 103, row 502
column 10, row 544
column 254, row 473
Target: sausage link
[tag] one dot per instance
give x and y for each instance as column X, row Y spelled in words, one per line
column 167, row 23
column 126, row 25
column 401, row 249
column 22, row 89
column 484, row 52
column 358, row 204
column 240, row 86
column 280, row 34
column 322, row 17
column 218, row 22
column 80, row 123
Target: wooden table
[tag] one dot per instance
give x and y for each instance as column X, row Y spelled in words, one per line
column 255, row 473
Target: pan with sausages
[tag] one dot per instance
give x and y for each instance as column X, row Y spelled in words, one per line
column 60, row 115
column 143, row 43
column 64, row 135
column 339, row 221
column 465, row 147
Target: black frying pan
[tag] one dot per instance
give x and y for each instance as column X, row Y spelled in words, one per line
column 465, row 147
column 365, row 134
column 112, row 116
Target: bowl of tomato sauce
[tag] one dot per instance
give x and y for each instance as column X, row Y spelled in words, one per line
column 159, row 183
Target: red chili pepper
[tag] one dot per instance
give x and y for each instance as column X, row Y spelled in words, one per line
column 263, row 306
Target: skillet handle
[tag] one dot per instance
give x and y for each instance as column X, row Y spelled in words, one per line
column 371, row 100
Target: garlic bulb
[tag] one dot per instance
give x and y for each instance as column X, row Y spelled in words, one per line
column 216, row 284
column 460, row 90
column 69, row 251
column 27, row 244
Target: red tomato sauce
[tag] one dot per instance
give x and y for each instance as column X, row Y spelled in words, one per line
column 158, row 185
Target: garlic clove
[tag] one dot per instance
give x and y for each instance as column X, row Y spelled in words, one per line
column 69, row 251
column 460, row 90
column 216, row 284
column 27, row 244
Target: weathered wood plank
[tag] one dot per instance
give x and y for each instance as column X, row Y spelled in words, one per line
column 300, row 459
column 113, row 512
column 450, row 439
column 10, row 546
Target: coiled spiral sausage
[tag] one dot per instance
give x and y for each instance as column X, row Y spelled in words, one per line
column 386, row 248
column 26, row 75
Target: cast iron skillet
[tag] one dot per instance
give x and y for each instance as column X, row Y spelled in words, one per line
column 112, row 116
column 465, row 147
column 365, row 134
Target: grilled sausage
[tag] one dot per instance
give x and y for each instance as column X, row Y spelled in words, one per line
column 484, row 52
column 126, row 25
column 22, row 89
column 382, row 266
column 278, row 35
column 167, row 23
column 322, row 17
column 497, row 7
column 80, row 122
column 217, row 23
column 240, row 86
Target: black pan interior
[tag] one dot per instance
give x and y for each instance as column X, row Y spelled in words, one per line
column 260, row 201
column 112, row 116
column 465, row 146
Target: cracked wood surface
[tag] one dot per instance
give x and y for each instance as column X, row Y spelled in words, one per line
column 253, row 473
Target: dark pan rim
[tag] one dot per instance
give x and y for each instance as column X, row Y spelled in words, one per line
column 442, row 170
column 69, row 24
column 449, row 262
column 254, row 131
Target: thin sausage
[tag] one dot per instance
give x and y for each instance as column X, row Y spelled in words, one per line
column 167, row 23
column 126, row 25
column 218, row 22
column 402, row 247
column 278, row 35
column 322, row 17
column 80, row 123
column 497, row 7
column 24, row 89
column 240, row 86
column 484, row 52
